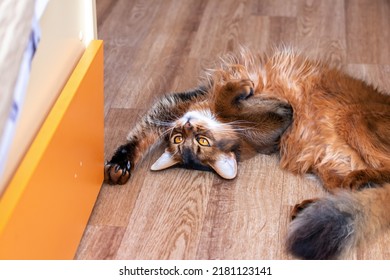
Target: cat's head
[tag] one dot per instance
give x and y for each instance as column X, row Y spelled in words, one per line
column 199, row 141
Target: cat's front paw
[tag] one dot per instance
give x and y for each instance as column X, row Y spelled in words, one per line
column 240, row 90
column 117, row 174
column 118, row 169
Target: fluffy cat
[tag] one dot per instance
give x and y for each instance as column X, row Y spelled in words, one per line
column 341, row 133
column 202, row 129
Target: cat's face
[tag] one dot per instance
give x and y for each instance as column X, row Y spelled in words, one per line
column 199, row 141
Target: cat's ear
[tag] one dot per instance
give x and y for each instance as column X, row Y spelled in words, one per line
column 164, row 161
column 225, row 166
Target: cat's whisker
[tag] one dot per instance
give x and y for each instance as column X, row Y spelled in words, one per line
column 166, row 132
column 161, row 123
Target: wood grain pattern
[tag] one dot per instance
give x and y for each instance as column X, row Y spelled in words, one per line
column 368, row 28
column 153, row 47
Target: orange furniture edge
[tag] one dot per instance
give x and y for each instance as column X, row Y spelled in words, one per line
column 46, row 206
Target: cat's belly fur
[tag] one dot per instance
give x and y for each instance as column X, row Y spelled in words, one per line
column 313, row 143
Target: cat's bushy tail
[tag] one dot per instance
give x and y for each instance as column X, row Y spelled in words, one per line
column 331, row 226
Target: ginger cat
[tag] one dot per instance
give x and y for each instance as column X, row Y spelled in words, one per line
column 340, row 132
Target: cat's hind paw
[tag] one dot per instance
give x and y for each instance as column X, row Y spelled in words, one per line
column 300, row 206
column 359, row 179
column 115, row 173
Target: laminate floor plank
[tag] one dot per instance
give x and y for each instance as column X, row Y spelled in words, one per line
column 167, row 221
column 368, row 32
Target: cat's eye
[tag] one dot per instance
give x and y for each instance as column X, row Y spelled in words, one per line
column 203, row 141
column 177, row 139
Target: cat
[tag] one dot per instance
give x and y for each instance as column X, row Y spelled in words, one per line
column 202, row 129
column 340, row 132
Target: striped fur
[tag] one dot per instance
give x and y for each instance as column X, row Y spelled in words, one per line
column 202, row 129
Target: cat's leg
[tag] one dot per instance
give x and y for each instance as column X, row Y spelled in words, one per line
column 366, row 178
column 122, row 163
column 331, row 181
column 366, row 128
column 262, row 121
column 354, row 180
column 236, row 99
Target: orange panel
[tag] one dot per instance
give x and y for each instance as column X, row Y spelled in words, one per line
column 46, row 206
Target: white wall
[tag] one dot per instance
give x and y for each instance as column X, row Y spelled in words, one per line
column 67, row 28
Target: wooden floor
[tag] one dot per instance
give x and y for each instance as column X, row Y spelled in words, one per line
column 154, row 47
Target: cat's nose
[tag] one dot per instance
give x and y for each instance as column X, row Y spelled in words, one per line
column 188, row 126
